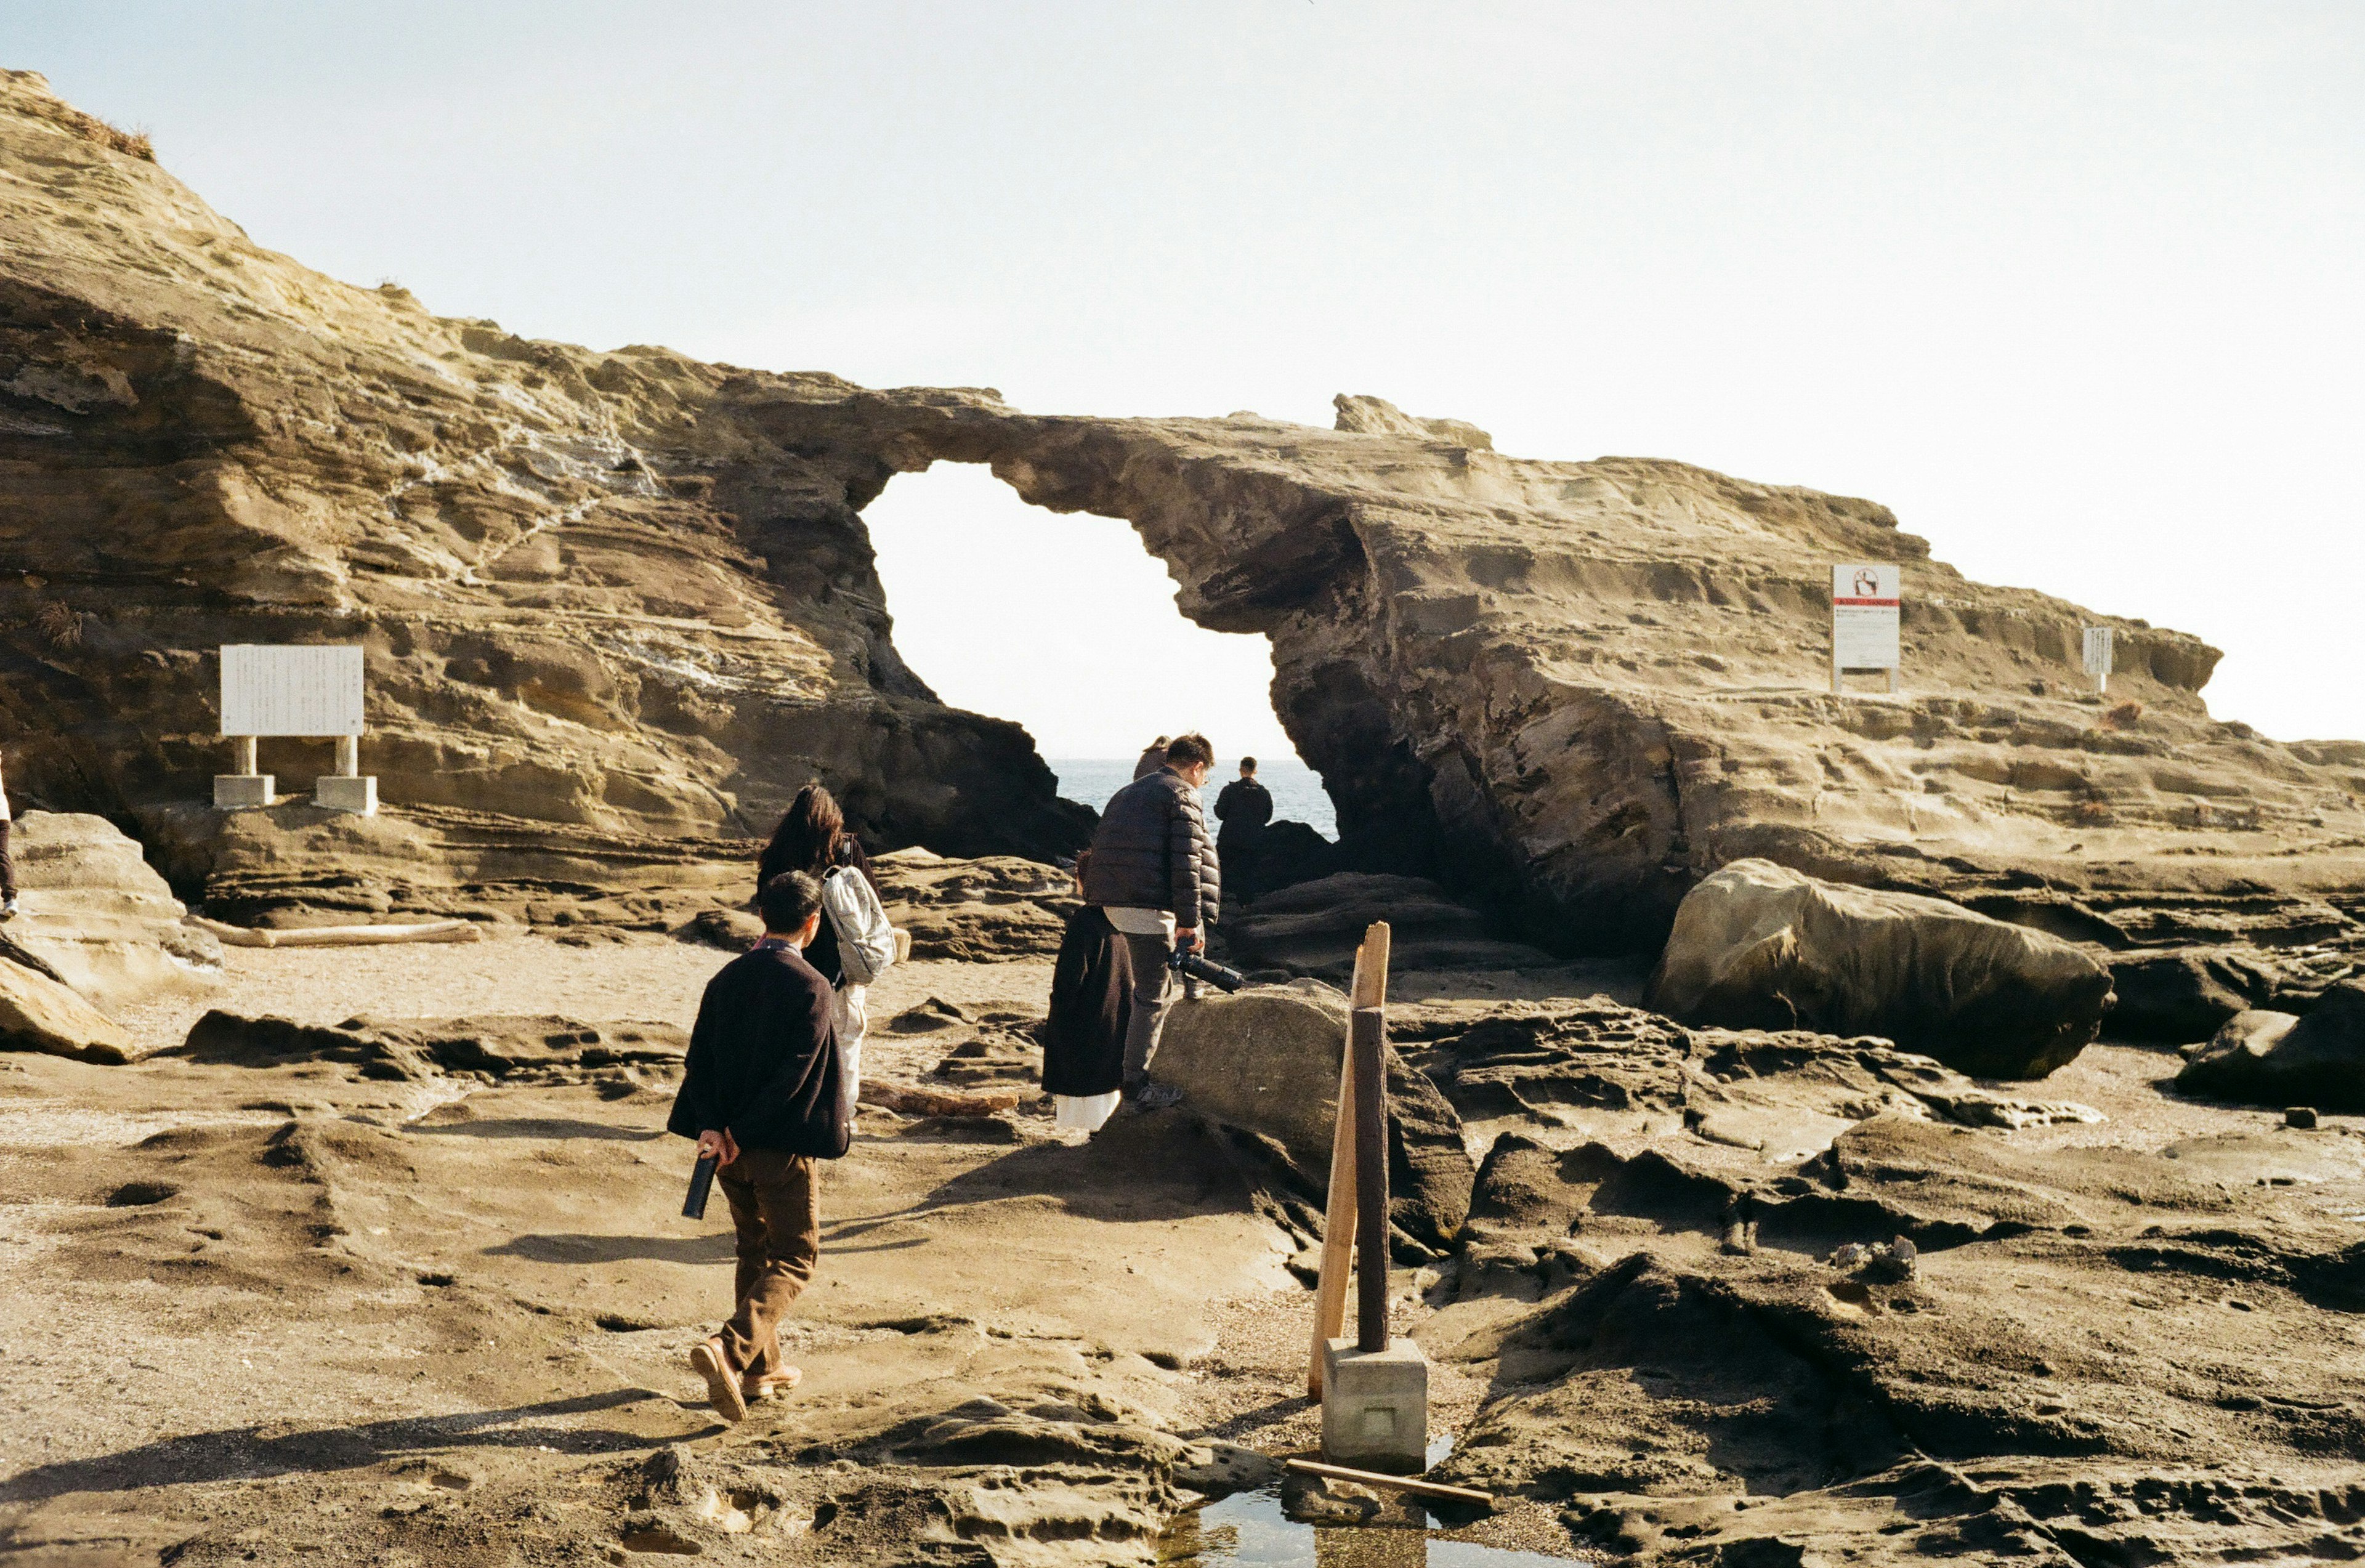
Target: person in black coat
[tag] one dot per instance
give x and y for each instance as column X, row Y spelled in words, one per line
column 1152, row 871
column 759, row 1093
column 1244, row 808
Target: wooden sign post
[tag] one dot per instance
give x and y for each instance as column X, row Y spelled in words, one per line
column 1374, row 1387
column 1370, row 990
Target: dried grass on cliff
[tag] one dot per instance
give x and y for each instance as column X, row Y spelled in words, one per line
column 89, row 126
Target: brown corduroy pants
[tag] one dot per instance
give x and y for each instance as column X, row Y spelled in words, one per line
column 776, row 1208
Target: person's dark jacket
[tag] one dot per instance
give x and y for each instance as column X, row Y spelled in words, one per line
column 1151, row 851
column 763, row 1058
column 1091, row 1005
column 1244, row 806
column 822, row 952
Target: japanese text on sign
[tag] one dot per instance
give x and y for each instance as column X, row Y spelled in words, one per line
column 1864, row 599
column 313, row 691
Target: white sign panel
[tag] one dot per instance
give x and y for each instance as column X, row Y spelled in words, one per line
column 1864, row 616
column 313, row 691
column 2098, row 650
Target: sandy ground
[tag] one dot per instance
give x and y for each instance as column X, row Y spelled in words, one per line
column 292, row 1304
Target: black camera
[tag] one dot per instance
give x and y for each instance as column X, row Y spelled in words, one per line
column 1198, row 965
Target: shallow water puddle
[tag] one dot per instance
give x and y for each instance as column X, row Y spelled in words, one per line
column 1249, row 1528
column 1252, row 1528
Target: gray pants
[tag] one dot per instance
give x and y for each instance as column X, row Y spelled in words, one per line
column 1151, row 980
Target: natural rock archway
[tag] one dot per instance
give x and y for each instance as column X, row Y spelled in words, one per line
column 619, row 605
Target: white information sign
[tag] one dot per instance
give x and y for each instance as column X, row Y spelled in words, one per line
column 2098, row 650
column 1864, row 599
column 312, row 690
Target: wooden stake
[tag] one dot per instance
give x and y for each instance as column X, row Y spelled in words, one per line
column 1338, row 1228
column 1370, row 990
column 1367, row 1038
column 1413, row 1485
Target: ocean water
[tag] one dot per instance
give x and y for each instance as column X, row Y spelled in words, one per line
column 1297, row 792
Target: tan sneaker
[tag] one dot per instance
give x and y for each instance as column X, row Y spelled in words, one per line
column 723, row 1389
column 759, row 1387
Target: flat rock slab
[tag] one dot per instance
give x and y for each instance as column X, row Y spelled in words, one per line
column 547, row 1047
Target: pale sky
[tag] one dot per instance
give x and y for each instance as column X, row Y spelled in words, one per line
column 2074, row 288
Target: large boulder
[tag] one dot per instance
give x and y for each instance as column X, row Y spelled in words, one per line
column 1266, row 1060
column 1760, row 946
column 2280, row 1059
column 1314, row 928
column 38, row 1014
column 101, row 918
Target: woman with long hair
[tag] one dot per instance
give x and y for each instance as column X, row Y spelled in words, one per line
column 811, row 838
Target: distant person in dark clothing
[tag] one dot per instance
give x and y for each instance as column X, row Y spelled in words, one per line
column 1153, row 758
column 1153, row 872
column 811, row 838
column 1243, row 808
column 759, row 1091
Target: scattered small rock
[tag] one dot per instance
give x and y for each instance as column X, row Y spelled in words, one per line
column 2300, row 1116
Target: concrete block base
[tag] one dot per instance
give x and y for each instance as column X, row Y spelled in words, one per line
column 1375, row 1406
column 243, row 791
column 334, row 793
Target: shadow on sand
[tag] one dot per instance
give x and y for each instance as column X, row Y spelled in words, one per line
column 244, row 1453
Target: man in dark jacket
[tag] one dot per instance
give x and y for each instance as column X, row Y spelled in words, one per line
column 760, row 1092
column 1243, row 808
column 1152, row 870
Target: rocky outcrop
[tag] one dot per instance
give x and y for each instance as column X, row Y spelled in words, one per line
column 99, row 918
column 543, row 1050
column 1760, row 946
column 1266, row 1060
column 618, row 606
column 614, row 618
column 1315, row 928
column 38, row 1013
column 2265, row 1058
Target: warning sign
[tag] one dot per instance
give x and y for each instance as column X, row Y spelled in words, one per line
column 1864, row 599
column 2098, row 650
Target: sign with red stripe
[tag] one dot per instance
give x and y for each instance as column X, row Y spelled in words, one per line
column 1866, row 597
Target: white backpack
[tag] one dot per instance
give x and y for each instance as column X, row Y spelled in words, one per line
column 866, row 942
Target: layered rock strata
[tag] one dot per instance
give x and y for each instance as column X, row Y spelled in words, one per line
column 619, row 605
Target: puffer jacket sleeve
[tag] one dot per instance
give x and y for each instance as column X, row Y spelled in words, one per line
column 1191, row 863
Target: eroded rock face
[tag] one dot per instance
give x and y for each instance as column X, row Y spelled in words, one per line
column 2105, row 1352
column 1758, row 946
column 611, row 618
column 619, row 606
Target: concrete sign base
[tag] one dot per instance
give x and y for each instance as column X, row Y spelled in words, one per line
column 333, row 792
column 243, row 791
column 1375, row 1405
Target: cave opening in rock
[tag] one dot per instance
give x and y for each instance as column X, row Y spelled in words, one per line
column 1066, row 625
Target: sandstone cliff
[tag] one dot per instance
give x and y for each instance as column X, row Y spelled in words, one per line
column 619, row 605
column 609, row 619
